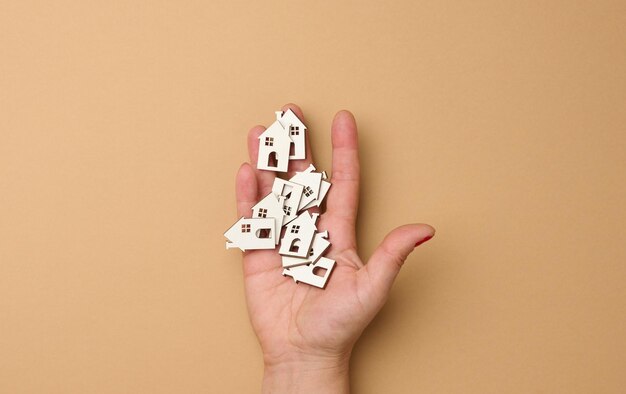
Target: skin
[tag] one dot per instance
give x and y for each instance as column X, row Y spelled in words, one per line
column 307, row 334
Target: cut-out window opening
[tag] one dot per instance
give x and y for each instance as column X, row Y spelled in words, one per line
column 262, row 213
column 263, row 233
column 245, row 228
column 295, row 229
column 287, row 210
column 294, row 130
column 269, row 141
column 308, row 191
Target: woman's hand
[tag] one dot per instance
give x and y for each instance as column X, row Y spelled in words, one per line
column 306, row 333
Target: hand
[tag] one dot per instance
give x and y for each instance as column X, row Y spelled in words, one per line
column 307, row 334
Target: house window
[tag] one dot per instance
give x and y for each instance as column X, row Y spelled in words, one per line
column 264, row 233
column 287, row 210
column 245, row 228
column 269, row 141
column 295, row 229
column 294, row 130
column 308, row 191
column 262, row 213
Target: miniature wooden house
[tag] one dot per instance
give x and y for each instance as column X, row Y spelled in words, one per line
column 292, row 193
column 318, row 247
column 297, row 130
column 311, row 182
column 274, row 145
column 313, row 274
column 271, row 206
column 299, row 235
column 253, row 233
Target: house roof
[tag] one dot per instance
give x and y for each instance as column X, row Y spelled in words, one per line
column 290, row 118
column 230, row 233
column 270, row 199
column 306, row 216
column 275, row 130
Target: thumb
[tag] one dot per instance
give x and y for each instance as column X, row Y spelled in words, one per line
column 388, row 258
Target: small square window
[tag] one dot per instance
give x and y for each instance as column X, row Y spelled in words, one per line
column 308, row 191
column 269, row 141
column 294, row 130
column 262, row 213
column 295, row 229
column 287, row 210
column 245, row 228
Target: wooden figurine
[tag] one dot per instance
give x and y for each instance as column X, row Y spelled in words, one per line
column 274, row 145
column 271, row 206
column 311, row 181
column 310, row 274
column 299, row 235
column 324, row 187
column 297, row 130
column 318, row 247
column 248, row 234
column 292, row 193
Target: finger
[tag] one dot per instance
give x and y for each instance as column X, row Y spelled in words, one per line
column 343, row 197
column 387, row 260
column 245, row 190
column 299, row 165
column 265, row 179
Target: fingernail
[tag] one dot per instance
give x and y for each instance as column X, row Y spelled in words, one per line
column 423, row 240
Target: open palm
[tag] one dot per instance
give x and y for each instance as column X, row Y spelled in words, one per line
column 296, row 322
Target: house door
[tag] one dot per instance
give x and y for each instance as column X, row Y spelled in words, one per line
column 295, row 246
column 272, row 160
column 292, row 149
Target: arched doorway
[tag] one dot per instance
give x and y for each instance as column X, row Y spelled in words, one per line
column 295, row 245
column 272, row 160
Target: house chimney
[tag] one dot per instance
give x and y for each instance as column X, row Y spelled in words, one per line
column 279, row 114
column 315, row 216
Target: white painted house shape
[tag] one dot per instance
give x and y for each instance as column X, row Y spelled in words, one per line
column 274, row 144
column 299, row 235
column 271, row 206
column 311, row 181
column 292, row 193
column 324, row 188
column 253, row 233
column 290, row 122
column 310, row 273
column 318, row 247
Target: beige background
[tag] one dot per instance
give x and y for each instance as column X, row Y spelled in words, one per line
column 122, row 125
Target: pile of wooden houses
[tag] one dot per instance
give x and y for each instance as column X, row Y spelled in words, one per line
column 282, row 218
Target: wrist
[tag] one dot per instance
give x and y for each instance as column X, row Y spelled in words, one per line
column 307, row 374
